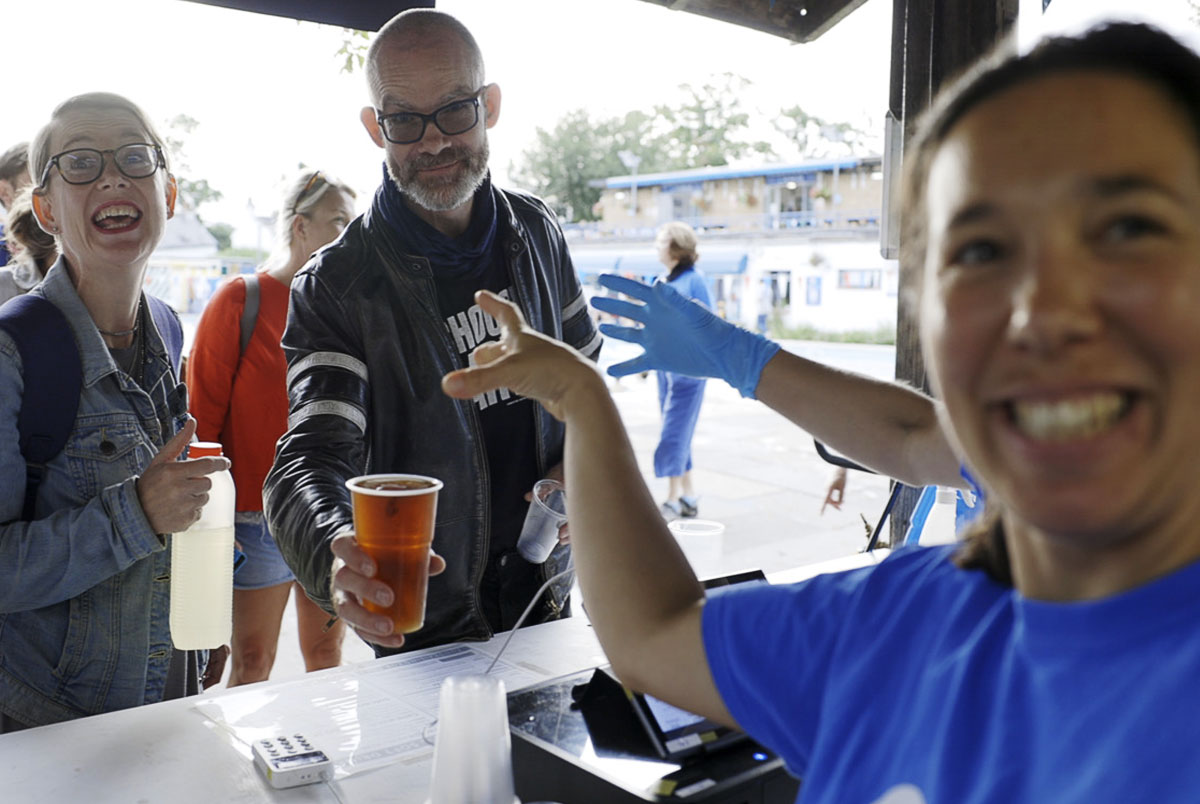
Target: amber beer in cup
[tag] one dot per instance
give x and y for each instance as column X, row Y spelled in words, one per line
column 393, row 524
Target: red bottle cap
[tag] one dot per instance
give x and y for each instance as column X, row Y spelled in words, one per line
column 204, row 449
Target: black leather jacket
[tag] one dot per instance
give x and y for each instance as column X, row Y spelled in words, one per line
column 367, row 347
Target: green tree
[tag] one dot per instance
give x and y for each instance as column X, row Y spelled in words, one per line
column 815, row 137
column 563, row 163
column 192, row 192
column 353, row 52
column 640, row 133
column 708, row 127
column 223, row 232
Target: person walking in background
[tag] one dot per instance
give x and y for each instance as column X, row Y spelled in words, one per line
column 237, row 384
column 32, row 250
column 679, row 396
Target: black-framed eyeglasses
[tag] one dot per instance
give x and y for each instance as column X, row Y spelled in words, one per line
column 137, row 160
column 309, row 186
column 456, row 117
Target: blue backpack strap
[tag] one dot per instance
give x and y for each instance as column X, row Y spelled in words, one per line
column 169, row 328
column 53, row 378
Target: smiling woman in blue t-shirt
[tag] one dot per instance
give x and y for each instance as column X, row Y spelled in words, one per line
column 1052, row 209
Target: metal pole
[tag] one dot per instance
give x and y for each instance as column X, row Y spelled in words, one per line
column 631, row 161
column 633, row 210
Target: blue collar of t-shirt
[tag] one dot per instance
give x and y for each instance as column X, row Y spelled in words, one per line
column 1111, row 623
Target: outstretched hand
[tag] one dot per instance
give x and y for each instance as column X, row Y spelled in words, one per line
column 672, row 329
column 681, row 336
column 524, row 361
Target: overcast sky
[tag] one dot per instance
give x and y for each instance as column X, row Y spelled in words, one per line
column 269, row 94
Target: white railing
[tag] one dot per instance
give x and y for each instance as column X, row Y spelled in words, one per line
column 856, row 220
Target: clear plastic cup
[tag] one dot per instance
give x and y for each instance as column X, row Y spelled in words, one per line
column 472, row 758
column 702, row 542
column 547, row 513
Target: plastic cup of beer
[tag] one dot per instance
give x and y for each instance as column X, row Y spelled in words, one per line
column 393, row 524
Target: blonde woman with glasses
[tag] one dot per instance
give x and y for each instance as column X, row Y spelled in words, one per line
column 84, row 565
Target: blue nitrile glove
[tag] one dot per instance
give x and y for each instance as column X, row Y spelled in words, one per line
column 682, row 336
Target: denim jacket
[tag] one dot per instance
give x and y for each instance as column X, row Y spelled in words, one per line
column 85, row 586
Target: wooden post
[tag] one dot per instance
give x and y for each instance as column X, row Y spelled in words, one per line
column 932, row 42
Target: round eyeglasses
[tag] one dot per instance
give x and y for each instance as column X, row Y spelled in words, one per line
column 456, row 117
column 137, row 160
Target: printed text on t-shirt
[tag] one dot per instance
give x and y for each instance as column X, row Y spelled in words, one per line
column 471, row 327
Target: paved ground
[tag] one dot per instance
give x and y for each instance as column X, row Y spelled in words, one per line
column 755, row 472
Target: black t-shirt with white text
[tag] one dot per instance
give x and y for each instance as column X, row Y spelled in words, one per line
column 460, row 266
column 507, row 419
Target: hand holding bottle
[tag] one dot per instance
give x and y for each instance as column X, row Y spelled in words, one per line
column 173, row 492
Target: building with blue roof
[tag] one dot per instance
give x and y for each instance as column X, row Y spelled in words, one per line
column 801, row 238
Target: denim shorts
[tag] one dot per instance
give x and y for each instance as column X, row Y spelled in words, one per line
column 264, row 566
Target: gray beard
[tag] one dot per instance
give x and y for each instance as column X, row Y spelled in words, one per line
column 441, row 197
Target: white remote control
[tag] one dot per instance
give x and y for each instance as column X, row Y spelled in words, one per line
column 290, row 761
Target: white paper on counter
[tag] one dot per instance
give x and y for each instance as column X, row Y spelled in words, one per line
column 364, row 716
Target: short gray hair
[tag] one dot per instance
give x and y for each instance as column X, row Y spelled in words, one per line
column 681, row 241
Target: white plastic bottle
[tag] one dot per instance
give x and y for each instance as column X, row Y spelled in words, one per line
column 939, row 524
column 202, row 566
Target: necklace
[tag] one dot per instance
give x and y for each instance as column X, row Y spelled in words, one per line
column 121, row 333
column 124, row 333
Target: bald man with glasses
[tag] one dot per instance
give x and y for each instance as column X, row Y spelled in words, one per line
column 377, row 319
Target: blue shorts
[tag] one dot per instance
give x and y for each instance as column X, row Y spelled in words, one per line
column 264, row 566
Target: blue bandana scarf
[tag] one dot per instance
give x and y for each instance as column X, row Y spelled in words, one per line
column 455, row 257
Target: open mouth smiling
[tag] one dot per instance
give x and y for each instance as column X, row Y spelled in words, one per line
column 117, row 216
column 1075, row 418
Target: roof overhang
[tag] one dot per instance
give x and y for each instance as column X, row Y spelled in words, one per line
column 363, row 15
column 796, row 20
